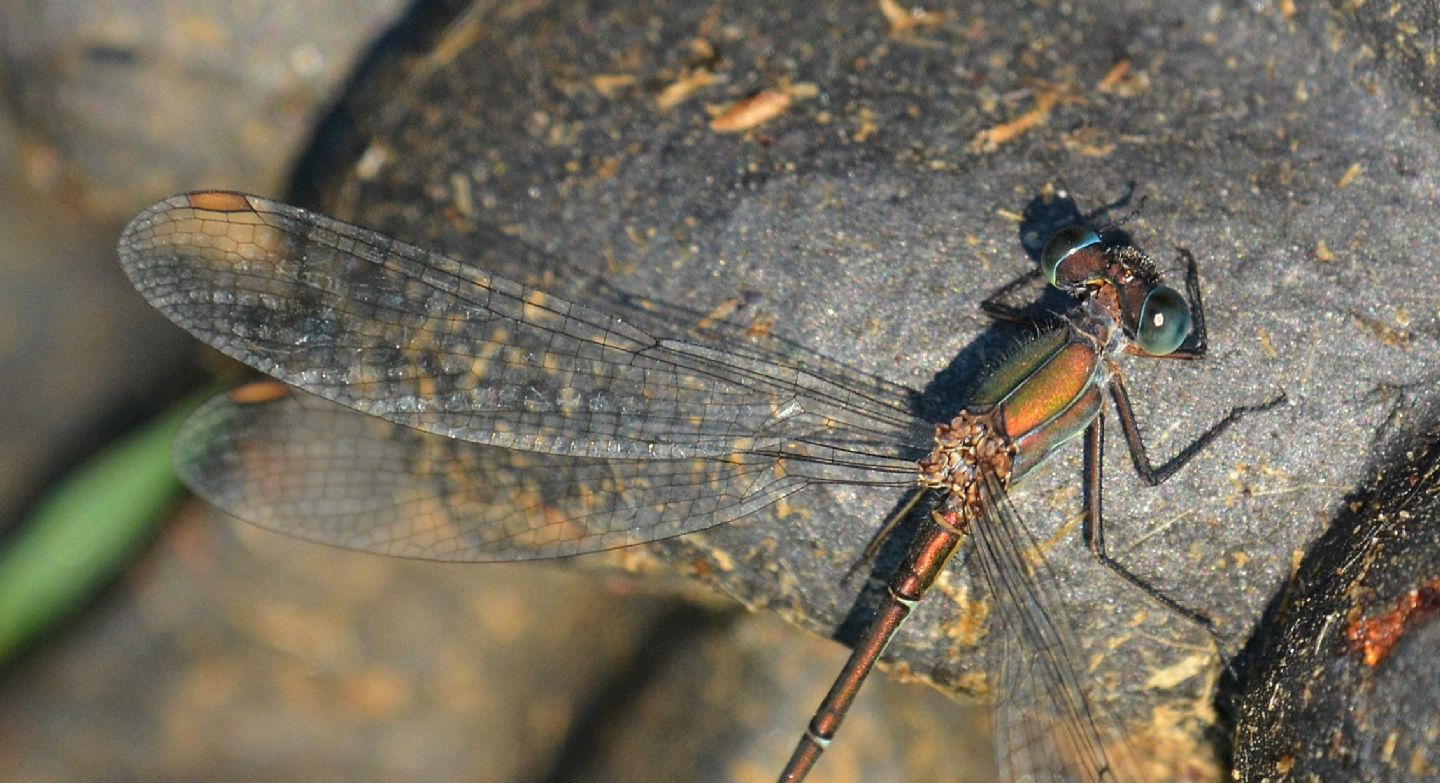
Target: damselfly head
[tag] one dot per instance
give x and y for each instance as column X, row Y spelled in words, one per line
column 1124, row 281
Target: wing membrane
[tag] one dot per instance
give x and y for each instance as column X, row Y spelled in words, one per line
column 1046, row 729
column 301, row 465
column 438, row 345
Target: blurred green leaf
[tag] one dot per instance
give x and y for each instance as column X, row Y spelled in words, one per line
column 84, row 530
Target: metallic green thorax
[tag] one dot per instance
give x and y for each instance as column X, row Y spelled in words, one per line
column 1045, row 394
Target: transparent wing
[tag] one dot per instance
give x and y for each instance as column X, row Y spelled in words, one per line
column 435, row 344
column 300, row 465
column 1046, row 729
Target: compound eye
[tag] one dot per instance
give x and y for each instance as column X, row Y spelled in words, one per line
column 1164, row 322
column 1060, row 246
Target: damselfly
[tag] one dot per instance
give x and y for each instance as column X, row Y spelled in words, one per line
column 617, row 436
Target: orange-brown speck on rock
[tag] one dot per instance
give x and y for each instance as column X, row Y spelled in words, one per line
column 751, row 112
column 219, row 201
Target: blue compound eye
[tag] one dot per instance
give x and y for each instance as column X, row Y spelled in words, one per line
column 1060, row 246
column 1164, row 322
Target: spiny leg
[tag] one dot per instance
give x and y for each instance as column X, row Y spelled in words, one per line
column 1195, row 348
column 1157, row 475
column 1094, row 529
column 1095, row 442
